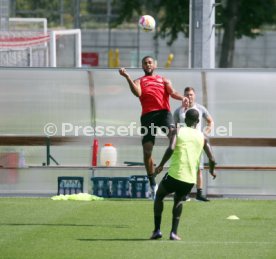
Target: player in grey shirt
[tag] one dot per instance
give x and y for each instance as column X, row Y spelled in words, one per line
column 179, row 118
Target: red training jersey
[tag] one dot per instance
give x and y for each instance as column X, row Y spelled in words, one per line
column 154, row 96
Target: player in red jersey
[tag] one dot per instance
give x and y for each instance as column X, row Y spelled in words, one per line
column 154, row 92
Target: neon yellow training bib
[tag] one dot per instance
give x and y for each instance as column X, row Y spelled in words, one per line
column 186, row 157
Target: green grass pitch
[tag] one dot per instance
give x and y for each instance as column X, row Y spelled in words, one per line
column 43, row 228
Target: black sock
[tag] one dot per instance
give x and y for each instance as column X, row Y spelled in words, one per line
column 176, row 213
column 199, row 192
column 152, row 180
column 175, row 222
column 157, row 223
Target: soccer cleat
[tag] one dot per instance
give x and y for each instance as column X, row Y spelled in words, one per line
column 153, row 191
column 156, row 234
column 173, row 236
column 187, row 198
column 201, row 198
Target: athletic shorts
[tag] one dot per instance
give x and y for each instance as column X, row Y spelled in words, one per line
column 162, row 119
column 175, row 186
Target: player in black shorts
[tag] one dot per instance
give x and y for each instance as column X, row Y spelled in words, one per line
column 150, row 121
column 154, row 92
column 185, row 149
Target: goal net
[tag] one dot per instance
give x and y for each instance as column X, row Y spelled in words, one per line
column 25, row 43
column 28, row 43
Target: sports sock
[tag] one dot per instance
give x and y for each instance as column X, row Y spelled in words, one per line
column 157, row 222
column 151, row 180
column 199, row 192
column 175, row 222
column 177, row 211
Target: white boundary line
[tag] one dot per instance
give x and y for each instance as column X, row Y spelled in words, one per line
column 216, row 242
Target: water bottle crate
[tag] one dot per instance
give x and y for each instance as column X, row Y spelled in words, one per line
column 101, row 186
column 120, row 187
column 139, row 186
column 135, row 186
column 70, row 185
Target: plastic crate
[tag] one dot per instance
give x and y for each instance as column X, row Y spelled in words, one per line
column 139, row 186
column 70, row 185
column 120, row 187
column 101, row 186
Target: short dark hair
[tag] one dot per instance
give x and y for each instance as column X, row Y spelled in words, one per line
column 189, row 88
column 191, row 117
column 144, row 58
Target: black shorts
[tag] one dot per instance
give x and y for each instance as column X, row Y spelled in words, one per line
column 162, row 119
column 175, row 186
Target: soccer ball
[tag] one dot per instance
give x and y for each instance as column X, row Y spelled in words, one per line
column 147, row 23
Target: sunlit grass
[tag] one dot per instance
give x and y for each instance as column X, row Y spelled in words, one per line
column 42, row 228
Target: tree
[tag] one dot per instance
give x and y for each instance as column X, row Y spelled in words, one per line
column 172, row 17
column 40, row 8
column 243, row 18
column 238, row 18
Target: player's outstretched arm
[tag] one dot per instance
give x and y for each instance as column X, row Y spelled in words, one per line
column 133, row 85
column 168, row 153
column 209, row 153
column 174, row 94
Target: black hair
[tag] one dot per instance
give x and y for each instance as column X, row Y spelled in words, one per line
column 144, row 58
column 191, row 117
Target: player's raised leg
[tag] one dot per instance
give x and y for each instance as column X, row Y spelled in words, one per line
column 149, row 165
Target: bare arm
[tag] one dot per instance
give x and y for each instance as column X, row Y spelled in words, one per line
column 209, row 153
column 209, row 125
column 176, row 117
column 133, row 85
column 174, row 94
column 168, row 153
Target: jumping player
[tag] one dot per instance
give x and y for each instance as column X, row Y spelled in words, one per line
column 154, row 92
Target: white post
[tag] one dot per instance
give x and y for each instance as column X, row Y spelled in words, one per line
column 202, row 42
column 45, row 31
column 208, row 34
column 202, row 34
column 78, row 49
column 53, row 49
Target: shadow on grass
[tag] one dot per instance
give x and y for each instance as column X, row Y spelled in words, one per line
column 63, row 225
column 114, row 239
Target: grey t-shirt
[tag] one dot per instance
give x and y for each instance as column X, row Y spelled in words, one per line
column 179, row 118
column 179, row 115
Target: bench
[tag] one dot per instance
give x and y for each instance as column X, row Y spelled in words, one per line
column 48, row 142
column 25, row 140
